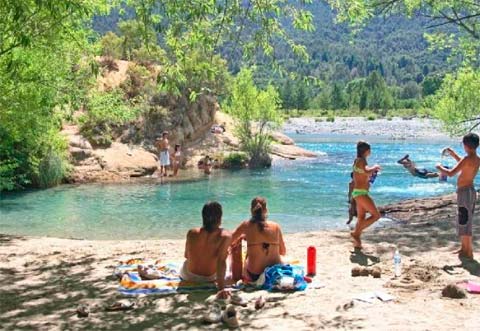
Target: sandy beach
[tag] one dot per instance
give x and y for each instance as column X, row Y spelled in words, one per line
column 45, row 279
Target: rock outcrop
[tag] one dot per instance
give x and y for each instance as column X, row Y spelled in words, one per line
column 119, row 162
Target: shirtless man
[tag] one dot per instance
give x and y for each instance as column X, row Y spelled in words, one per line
column 466, row 194
column 206, row 250
column 265, row 245
column 163, row 146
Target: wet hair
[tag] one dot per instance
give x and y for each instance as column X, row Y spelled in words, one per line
column 164, row 133
column 362, row 147
column 258, row 208
column 212, row 216
column 471, row 140
column 177, row 147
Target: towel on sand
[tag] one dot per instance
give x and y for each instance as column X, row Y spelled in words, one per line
column 168, row 283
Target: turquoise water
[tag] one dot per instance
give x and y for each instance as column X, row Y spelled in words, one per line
column 302, row 195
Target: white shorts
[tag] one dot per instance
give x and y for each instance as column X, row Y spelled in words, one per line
column 185, row 274
column 164, row 158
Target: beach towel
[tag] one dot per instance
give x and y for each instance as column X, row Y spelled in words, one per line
column 169, row 282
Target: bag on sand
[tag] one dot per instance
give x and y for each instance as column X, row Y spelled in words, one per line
column 284, row 277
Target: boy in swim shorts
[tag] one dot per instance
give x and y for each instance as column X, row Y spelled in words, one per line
column 164, row 156
column 417, row 172
column 467, row 168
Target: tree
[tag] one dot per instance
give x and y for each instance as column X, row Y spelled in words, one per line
column 301, row 97
column 41, row 41
column 257, row 112
column 379, row 96
column 337, row 98
column 287, row 95
column 458, row 100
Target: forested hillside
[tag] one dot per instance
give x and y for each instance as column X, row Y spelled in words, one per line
column 389, row 55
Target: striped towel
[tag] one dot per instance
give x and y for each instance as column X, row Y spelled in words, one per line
column 169, row 283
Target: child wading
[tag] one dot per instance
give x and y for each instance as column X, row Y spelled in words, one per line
column 466, row 194
column 361, row 179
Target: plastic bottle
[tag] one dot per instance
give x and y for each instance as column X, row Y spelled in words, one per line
column 311, row 261
column 373, row 177
column 397, row 262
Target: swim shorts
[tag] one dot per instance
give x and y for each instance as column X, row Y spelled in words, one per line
column 466, row 198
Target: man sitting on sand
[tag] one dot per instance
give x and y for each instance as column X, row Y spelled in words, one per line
column 466, row 194
column 206, row 250
column 417, row 172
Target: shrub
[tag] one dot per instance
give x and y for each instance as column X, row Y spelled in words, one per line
column 235, row 161
column 331, row 118
column 138, row 81
column 108, row 63
column 51, row 170
column 111, row 45
column 104, row 112
column 256, row 111
column 371, row 117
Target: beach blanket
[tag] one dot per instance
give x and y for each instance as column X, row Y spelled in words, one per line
column 168, row 283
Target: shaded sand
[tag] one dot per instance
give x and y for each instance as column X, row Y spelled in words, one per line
column 45, row 279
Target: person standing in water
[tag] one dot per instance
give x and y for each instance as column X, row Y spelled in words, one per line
column 163, row 146
column 176, row 159
column 265, row 245
column 365, row 204
column 466, row 194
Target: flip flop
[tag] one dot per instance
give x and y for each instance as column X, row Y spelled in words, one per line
column 237, row 300
column 214, row 315
column 83, row 311
column 229, row 317
column 260, row 302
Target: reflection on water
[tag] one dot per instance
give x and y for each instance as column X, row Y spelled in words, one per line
column 302, row 195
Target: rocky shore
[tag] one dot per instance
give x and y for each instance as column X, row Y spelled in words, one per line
column 396, row 128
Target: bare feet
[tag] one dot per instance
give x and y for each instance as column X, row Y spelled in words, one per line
column 357, row 243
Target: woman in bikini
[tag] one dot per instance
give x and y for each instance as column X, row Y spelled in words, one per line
column 365, row 204
column 265, row 245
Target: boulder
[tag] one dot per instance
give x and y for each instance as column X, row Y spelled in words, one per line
column 282, row 138
column 291, row 151
column 128, row 162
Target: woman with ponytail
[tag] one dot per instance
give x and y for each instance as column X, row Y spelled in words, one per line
column 265, row 245
column 361, row 185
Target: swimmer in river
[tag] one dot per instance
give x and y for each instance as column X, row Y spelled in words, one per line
column 415, row 171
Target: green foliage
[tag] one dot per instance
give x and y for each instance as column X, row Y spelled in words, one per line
column 257, row 112
column 52, row 169
column 331, row 119
column 111, row 45
column 235, row 161
column 371, row 117
column 105, row 112
column 458, row 101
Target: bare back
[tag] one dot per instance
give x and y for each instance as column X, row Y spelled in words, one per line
column 264, row 248
column 203, row 249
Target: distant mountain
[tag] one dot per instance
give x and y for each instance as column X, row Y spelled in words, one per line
column 394, row 46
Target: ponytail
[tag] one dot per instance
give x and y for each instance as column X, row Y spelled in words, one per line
column 259, row 211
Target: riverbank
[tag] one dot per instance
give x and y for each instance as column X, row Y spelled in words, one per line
column 395, row 128
column 45, row 279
